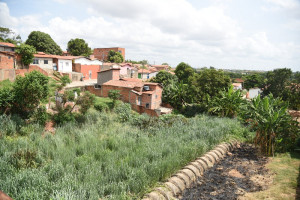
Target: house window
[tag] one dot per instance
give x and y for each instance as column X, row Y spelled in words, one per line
column 67, row 64
column 35, row 61
column 139, row 100
column 148, row 76
column 8, row 57
column 120, row 51
column 45, row 61
column 147, row 105
column 155, row 96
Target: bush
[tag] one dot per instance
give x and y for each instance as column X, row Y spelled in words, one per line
column 101, row 107
column 63, row 116
column 40, row 116
column 124, row 111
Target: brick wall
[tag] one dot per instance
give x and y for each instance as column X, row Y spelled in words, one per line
column 6, row 61
column 102, row 53
column 85, row 69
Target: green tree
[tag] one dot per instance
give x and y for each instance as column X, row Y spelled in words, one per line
column 114, row 95
column 277, row 82
column 29, row 91
column 183, row 71
column 78, row 47
column 227, row 104
column 26, row 52
column 7, row 35
column 176, row 94
column 43, row 42
column 254, row 80
column 273, row 125
column 115, row 57
column 165, row 78
column 208, row 83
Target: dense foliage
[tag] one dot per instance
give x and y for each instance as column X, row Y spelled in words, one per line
column 78, row 47
column 103, row 157
column 115, row 57
column 43, row 42
column 7, row 35
column 275, row 128
column 26, row 51
column 25, row 94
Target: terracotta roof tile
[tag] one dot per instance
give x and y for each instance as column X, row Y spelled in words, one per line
column 126, row 84
column 6, row 44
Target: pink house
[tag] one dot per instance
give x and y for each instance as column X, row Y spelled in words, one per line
column 128, row 71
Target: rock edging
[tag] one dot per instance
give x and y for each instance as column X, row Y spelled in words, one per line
column 185, row 177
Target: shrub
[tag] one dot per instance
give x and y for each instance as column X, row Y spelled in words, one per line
column 275, row 128
column 101, row 106
column 124, row 111
column 40, row 116
column 114, row 95
column 63, row 116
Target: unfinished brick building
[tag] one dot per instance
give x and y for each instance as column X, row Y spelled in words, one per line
column 102, row 53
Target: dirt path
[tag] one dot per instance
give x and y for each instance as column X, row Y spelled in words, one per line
column 241, row 172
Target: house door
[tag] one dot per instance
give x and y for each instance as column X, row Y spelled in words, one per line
column 61, row 67
column 140, row 76
column 90, row 74
column 139, row 101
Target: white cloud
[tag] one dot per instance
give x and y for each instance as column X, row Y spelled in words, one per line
column 5, row 19
column 164, row 31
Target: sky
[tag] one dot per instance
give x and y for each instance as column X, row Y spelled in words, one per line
column 225, row 34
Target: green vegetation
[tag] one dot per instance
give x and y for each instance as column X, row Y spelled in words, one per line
column 25, row 94
column 114, row 95
column 26, row 51
column 78, row 47
column 43, row 42
column 103, row 157
column 7, row 35
column 115, row 57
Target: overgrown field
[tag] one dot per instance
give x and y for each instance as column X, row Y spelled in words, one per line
column 103, row 157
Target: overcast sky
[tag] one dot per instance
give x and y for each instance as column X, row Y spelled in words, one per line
column 236, row 34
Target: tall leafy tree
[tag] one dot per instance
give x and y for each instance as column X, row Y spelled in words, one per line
column 277, row 82
column 26, row 51
column 183, row 71
column 208, row 83
column 115, row 57
column 43, row 42
column 78, row 47
column 7, row 35
column 164, row 77
column 254, row 80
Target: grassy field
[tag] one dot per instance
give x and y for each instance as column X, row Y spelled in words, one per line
column 286, row 178
column 102, row 157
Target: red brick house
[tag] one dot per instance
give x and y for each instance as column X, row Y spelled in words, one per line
column 102, row 53
column 144, row 97
column 7, row 55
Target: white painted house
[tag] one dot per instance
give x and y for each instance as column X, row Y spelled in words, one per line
column 254, row 92
column 63, row 63
column 87, row 61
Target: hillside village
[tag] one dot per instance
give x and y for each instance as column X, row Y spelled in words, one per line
column 92, row 125
column 94, row 74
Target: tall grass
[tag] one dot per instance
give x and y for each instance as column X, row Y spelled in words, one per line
column 103, row 158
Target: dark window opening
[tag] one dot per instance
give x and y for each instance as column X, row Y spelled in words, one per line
column 147, row 105
column 45, row 61
column 35, row 61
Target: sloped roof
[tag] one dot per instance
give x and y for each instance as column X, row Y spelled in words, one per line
column 7, row 44
column 125, row 84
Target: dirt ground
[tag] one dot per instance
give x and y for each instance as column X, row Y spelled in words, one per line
column 242, row 171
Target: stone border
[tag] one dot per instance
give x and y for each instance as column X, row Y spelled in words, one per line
column 185, row 177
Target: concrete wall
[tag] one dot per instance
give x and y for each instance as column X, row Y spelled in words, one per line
column 254, row 92
column 85, row 61
column 145, row 76
column 64, row 66
column 7, row 74
column 42, row 65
